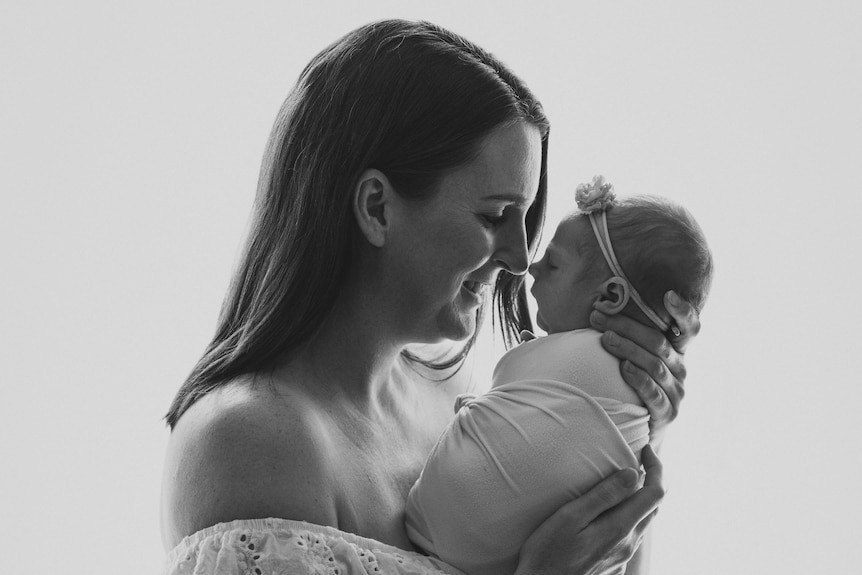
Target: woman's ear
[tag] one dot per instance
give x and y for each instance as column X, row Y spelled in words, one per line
column 372, row 204
column 613, row 296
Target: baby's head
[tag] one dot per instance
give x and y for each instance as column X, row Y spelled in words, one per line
column 658, row 246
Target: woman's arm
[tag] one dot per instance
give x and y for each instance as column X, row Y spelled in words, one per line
column 599, row 532
column 652, row 364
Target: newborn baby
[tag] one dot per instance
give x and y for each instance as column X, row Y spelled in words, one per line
column 559, row 417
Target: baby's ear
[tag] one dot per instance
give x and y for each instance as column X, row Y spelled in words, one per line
column 613, row 296
column 372, row 199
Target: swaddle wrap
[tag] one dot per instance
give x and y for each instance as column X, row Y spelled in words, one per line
column 558, row 419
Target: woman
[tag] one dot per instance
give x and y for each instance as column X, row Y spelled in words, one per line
column 404, row 184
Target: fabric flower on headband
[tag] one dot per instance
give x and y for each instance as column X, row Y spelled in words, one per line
column 595, row 196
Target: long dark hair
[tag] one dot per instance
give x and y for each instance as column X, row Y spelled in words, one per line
column 410, row 99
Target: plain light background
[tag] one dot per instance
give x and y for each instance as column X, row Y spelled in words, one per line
column 130, row 142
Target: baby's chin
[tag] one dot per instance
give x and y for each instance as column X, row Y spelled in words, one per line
column 560, row 328
column 540, row 321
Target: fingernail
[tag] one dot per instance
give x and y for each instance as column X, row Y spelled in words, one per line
column 627, row 365
column 673, row 298
column 612, row 338
column 628, row 477
column 597, row 319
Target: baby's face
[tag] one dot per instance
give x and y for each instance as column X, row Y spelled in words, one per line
column 564, row 287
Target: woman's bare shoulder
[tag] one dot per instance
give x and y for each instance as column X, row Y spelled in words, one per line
column 245, row 451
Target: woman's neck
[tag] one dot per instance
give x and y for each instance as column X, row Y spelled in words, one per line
column 351, row 357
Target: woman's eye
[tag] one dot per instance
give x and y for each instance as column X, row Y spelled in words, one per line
column 492, row 220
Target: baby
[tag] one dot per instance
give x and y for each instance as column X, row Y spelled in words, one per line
column 559, row 417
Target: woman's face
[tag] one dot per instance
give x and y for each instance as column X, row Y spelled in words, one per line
column 450, row 248
column 564, row 285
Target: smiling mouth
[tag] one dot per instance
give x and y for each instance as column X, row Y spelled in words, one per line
column 475, row 287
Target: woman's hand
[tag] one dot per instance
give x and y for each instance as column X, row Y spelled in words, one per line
column 599, row 532
column 652, row 364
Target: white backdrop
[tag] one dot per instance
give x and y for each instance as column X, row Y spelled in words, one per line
column 130, row 141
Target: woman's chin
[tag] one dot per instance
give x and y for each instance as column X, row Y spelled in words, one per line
column 458, row 324
column 463, row 330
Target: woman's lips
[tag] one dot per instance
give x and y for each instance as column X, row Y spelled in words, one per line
column 474, row 290
column 477, row 286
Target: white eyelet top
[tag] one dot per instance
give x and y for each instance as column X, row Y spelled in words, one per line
column 269, row 546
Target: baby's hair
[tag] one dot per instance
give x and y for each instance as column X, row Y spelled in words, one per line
column 660, row 247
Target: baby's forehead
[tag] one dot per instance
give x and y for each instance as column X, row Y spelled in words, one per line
column 572, row 228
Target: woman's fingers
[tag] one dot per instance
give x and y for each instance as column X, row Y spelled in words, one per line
column 635, row 514
column 606, row 495
column 609, row 493
column 626, row 523
column 660, row 389
column 600, row 531
column 644, row 346
column 655, row 483
column 654, row 469
column 577, row 539
column 662, row 395
column 644, row 335
column 652, row 362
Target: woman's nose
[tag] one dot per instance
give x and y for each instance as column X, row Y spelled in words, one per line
column 512, row 253
column 534, row 268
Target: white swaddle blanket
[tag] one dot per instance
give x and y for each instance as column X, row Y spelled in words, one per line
column 558, row 419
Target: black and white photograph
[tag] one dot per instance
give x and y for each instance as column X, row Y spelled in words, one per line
column 464, row 288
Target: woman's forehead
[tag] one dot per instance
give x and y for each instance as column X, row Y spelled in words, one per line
column 508, row 166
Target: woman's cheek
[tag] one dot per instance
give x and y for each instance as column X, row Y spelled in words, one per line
column 472, row 244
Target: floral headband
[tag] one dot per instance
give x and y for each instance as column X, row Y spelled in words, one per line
column 594, row 199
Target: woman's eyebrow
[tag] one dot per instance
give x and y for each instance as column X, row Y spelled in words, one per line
column 516, row 199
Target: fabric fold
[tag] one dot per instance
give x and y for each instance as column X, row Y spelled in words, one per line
column 516, row 454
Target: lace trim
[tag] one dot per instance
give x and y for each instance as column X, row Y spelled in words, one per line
column 262, row 546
